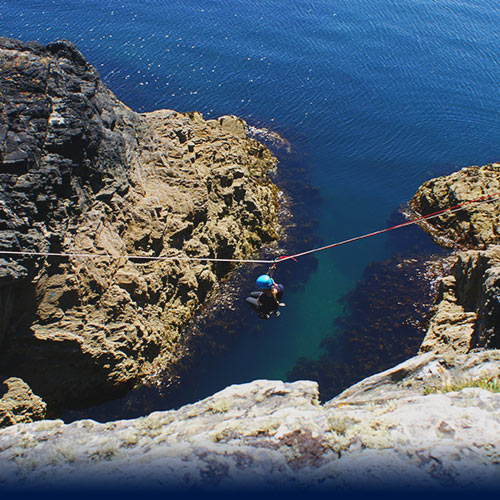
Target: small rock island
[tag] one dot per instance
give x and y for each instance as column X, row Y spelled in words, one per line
column 82, row 173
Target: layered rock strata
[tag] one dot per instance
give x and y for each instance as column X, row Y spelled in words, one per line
column 467, row 313
column 419, row 425
column 81, row 173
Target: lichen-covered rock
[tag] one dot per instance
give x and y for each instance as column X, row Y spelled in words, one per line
column 387, row 431
column 477, row 225
column 18, row 404
column 82, row 173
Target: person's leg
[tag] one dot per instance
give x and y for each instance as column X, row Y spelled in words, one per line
column 255, row 295
column 254, row 304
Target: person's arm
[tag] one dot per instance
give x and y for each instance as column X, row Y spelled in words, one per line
column 278, row 290
column 275, row 297
column 270, row 271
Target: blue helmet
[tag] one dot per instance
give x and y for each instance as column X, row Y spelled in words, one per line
column 264, row 282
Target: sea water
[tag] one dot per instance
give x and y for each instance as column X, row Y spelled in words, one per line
column 375, row 97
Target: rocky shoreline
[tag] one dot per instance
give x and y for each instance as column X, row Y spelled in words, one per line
column 467, row 308
column 83, row 173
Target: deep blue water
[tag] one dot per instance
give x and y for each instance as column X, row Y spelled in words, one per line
column 377, row 96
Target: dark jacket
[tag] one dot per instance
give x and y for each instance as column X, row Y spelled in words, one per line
column 268, row 303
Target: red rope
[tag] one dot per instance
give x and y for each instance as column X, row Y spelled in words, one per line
column 455, row 208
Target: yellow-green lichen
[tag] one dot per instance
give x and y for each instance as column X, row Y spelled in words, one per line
column 219, row 406
column 491, row 384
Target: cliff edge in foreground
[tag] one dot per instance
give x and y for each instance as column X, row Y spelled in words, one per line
column 393, row 430
column 82, row 173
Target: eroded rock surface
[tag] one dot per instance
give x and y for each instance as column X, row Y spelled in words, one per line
column 477, row 225
column 18, row 404
column 385, row 432
column 467, row 312
column 82, row 173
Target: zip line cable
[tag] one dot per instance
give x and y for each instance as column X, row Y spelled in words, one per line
column 282, row 258
column 455, row 208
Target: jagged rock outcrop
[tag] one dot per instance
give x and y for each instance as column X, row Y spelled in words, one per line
column 467, row 312
column 82, row 173
column 477, row 225
column 468, row 306
column 393, row 430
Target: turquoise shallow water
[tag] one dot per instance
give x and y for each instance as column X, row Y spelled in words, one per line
column 376, row 97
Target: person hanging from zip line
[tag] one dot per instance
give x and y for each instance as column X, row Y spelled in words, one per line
column 267, row 300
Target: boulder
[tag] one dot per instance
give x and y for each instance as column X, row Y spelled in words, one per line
column 18, row 404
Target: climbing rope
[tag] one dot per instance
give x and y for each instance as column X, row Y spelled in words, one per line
column 282, row 258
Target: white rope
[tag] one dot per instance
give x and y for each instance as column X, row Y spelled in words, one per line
column 128, row 256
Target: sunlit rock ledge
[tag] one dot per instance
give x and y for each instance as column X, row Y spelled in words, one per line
column 395, row 429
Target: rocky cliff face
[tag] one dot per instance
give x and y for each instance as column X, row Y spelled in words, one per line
column 467, row 313
column 416, row 426
column 82, row 173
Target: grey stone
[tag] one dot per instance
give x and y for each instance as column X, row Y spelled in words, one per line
column 384, row 433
